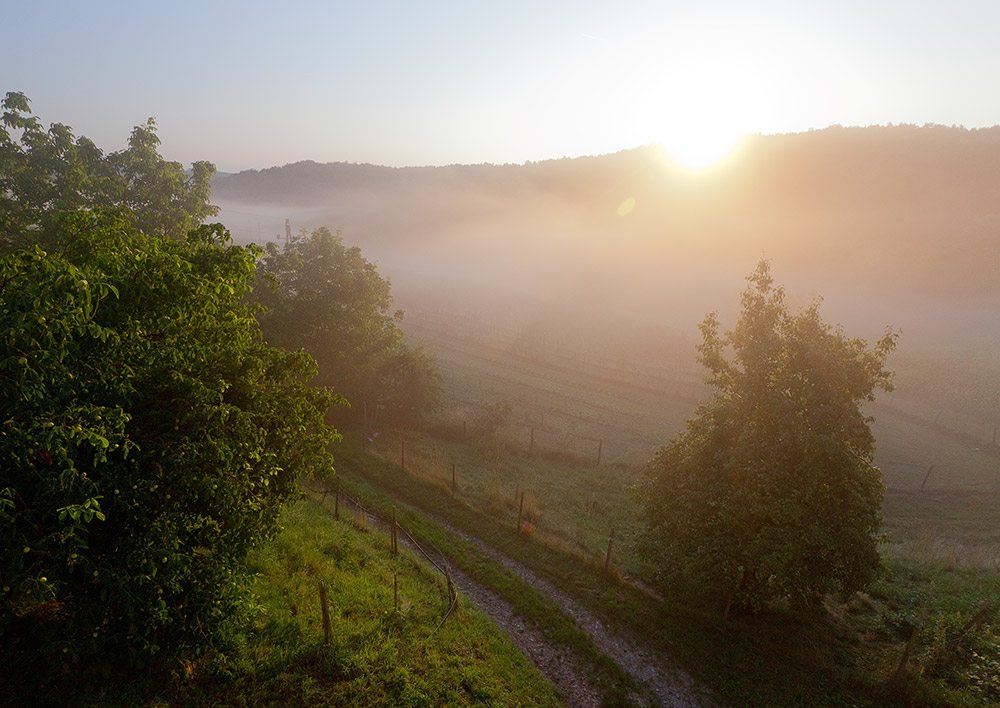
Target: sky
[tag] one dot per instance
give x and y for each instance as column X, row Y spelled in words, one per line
column 256, row 84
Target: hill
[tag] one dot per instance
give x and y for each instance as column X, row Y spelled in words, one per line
column 895, row 215
column 616, row 258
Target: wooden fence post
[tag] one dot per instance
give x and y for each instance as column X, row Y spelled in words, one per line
column 325, row 609
column 520, row 512
column 924, row 483
column 600, row 444
column 976, row 619
column 454, row 485
column 395, row 547
column 906, row 656
column 607, row 558
column 452, row 593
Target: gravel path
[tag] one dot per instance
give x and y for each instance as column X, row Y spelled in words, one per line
column 567, row 673
column 664, row 683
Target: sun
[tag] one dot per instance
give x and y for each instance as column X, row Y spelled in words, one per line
column 698, row 150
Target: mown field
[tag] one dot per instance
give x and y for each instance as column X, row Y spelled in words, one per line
column 943, row 485
column 941, row 513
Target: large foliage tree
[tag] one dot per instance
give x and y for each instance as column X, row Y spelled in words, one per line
column 44, row 172
column 148, row 435
column 326, row 298
column 408, row 385
column 149, row 439
column 771, row 491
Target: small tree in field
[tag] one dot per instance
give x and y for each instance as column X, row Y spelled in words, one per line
column 771, row 492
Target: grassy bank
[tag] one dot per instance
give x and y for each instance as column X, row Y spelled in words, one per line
column 379, row 655
column 379, row 484
column 846, row 654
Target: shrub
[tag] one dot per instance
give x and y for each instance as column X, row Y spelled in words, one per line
column 149, row 439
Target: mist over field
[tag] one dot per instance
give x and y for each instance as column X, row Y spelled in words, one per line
column 552, row 324
column 573, row 290
column 622, row 255
column 598, row 354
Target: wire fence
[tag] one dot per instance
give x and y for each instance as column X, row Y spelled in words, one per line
column 392, row 523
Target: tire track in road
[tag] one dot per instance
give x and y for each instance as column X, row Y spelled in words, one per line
column 664, row 683
column 566, row 671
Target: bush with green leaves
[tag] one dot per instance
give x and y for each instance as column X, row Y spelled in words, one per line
column 771, row 492
column 46, row 172
column 983, row 669
column 149, row 439
column 962, row 653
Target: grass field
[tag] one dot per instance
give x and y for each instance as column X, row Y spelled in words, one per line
column 571, row 412
column 847, row 654
column 941, row 514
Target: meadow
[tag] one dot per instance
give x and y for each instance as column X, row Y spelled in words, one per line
column 942, row 483
column 941, row 519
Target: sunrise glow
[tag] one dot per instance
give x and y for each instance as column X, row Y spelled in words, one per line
column 697, row 151
column 674, row 325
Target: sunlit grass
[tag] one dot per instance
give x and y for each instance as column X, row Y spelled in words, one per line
column 380, row 653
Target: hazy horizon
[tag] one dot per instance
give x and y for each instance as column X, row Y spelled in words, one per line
column 891, row 226
column 654, row 242
column 714, row 165
column 251, row 86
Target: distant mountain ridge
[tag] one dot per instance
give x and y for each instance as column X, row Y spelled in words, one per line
column 877, row 218
column 880, row 152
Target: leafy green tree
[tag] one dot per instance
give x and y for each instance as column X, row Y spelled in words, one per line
column 149, row 438
column 771, row 491
column 44, row 172
column 327, row 299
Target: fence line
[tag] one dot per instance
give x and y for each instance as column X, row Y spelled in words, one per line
column 439, row 472
column 443, row 568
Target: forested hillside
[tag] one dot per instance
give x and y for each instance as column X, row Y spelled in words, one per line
column 890, row 210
